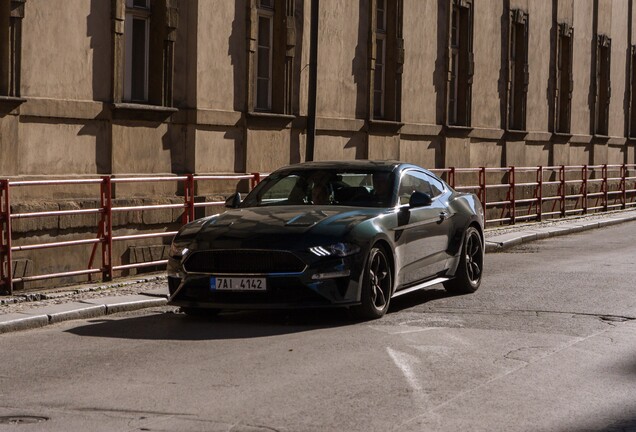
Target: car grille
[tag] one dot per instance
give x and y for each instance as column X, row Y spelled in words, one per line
column 243, row 262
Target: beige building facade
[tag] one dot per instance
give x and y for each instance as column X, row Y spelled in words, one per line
column 95, row 87
column 166, row 87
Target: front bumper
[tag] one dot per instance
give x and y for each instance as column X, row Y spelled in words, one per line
column 321, row 284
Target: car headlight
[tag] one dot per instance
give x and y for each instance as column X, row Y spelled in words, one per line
column 177, row 250
column 337, row 249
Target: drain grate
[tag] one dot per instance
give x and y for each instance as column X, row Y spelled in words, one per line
column 21, row 419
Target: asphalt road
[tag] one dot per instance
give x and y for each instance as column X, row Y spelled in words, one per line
column 548, row 343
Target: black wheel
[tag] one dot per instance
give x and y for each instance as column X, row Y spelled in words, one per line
column 377, row 285
column 200, row 312
column 471, row 265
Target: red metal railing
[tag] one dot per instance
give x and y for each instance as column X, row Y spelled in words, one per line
column 105, row 236
column 515, row 193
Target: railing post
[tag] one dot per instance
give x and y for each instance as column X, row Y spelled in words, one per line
column 482, row 188
column 563, row 191
column 256, row 179
column 106, row 234
column 513, row 196
column 451, row 177
column 584, row 188
column 540, row 193
column 6, row 267
column 605, row 188
column 188, row 197
column 624, row 186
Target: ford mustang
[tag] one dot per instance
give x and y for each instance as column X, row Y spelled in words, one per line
column 330, row 234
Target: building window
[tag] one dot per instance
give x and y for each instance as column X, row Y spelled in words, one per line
column 564, row 82
column 137, row 32
column 387, row 54
column 461, row 64
column 264, row 55
column 11, row 15
column 517, row 69
column 272, row 51
column 603, row 85
column 143, row 45
column 380, row 60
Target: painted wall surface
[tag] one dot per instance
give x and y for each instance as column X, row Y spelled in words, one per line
column 620, row 49
column 76, row 147
column 423, row 80
column 344, row 146
column 488, row 72
column 67, row 53
column 221, row 59
column 342, row 59
column 426, row 153
column 219, row 150
column 384, row 147
column 145, row 148
column 582, row 59
column 9, row 145
column 267, row 149
column 539, row 65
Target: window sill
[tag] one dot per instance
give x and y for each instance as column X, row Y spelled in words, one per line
column 9, row 103
column 269, row 119
column 562, row 134
column 515, row 133
column 457, row 130
column 387, row 126
column 135, row 111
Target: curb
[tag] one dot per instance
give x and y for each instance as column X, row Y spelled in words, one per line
column 85, row 309
column 499, row 243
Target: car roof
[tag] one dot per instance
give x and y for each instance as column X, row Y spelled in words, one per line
column 372, row 165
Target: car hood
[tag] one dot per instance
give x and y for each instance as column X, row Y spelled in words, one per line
column 280, row 226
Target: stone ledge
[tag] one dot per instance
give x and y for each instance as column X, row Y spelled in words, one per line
column 19, row 321
column 70, row 311
column 127, row 303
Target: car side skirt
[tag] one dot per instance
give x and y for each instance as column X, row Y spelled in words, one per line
column 420, row 286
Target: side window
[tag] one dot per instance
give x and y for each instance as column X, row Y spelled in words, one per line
column 413, row 181
column 436, row 186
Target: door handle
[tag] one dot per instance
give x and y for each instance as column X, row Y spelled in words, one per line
column 443, row 216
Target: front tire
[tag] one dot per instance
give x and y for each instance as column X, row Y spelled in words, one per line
column 471, row 264
column 377, row 287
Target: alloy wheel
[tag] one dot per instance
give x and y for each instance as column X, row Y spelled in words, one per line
column 474, row 257
column 379, row 279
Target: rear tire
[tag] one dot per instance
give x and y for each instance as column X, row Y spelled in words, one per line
column 471, row 264
column 377, row 287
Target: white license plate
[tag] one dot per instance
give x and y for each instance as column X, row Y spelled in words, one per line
column 237, row 284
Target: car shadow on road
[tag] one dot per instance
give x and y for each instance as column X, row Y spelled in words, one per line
column 173, row 325
column 227, row 325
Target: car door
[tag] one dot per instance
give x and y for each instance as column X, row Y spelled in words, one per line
column 422, row 233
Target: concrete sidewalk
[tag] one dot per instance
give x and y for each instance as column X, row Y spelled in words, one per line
column 67, row 306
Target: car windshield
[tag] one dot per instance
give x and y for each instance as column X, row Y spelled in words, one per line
column 358, row 188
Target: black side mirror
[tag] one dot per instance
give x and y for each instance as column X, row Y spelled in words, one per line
column 233, row 201
column 420, row 199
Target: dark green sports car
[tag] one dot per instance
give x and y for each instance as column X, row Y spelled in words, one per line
column 338, row 234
